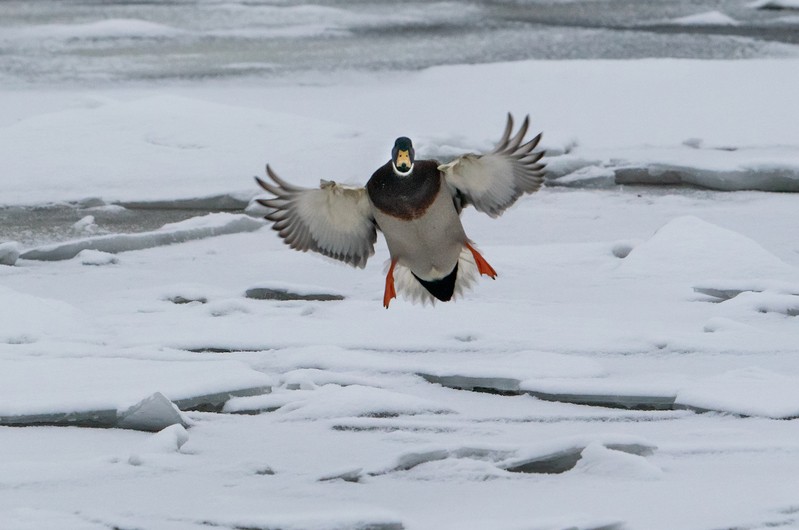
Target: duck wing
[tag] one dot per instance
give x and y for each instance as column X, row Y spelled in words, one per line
column 493, row 181
column 333, row 220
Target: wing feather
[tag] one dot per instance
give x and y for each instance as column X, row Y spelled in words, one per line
column 494, row 181
column 333, row 220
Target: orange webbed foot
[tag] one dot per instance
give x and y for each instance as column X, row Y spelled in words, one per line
column 482, row 265
column 389, row 292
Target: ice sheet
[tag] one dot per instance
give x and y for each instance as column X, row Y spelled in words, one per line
column 39, row 386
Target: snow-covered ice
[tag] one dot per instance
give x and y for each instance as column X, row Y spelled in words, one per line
column 178, row 133
column 633, row 366
column 709, row 18
column 747, row 391
column 332, row 401
column 688, row 247
column 196, row 228
column 344, row 375
column 84, row 383
column 96, row 258
column 153, row 413
column 9, row 253
column 105, row 29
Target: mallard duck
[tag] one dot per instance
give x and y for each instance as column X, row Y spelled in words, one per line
column 417, row 206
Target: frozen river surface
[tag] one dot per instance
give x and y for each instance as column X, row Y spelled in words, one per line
column 635, row 361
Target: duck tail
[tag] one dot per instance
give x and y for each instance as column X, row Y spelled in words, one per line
column 443, row 288
column 450, row 287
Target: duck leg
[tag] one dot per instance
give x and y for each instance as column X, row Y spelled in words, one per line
column 389, row 292
column 482, row 265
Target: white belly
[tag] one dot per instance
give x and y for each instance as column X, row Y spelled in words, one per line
column 429, row 245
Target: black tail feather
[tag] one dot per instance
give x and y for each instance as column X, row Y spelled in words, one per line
column 442, row 289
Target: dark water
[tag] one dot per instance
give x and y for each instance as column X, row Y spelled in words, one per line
column 38, row 225
column 99, row 42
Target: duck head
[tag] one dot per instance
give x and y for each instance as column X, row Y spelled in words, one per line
column 402, row 156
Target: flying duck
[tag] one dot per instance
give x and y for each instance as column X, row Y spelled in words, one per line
column 417, row 206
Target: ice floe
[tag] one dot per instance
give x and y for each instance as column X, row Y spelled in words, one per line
column 726, row 169
column 96, row 258
column 310, row 378
column 725, row 290
column 323, row 519
column 334, row 401
column 85, row 226
column 768, row 177
column 93, row 390
column 642, row 394
column 748, row 392
column 9, row 252
column 210, row 225
column 25, row 318
column 708, row 18
column 151, row 414
column 690, row 249
column 597, row 459
column 173, row 148
column 166, row 441
column 113, row 28
column 589, row 176
column 559, row 456
column 765, row 302
column 552, row 457
column 519, row 365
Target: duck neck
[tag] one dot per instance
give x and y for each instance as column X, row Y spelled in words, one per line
column 401, row 173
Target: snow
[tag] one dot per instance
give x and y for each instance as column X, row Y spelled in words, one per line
column 115, row 28
column 644, row 390
column 114, row 383
column 639, row 339
column 709, row 18
column 168, row 440
column 596, row 459
column 9, row 253
column 334, row 401
column 689, row 248
column 186, row 134
column 86, row 225
column 749, row 391
column 25, row 318
column 185, row 138
column 96, row 258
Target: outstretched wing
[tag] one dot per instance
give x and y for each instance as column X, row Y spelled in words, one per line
column 333, row 220
column 493, row 181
